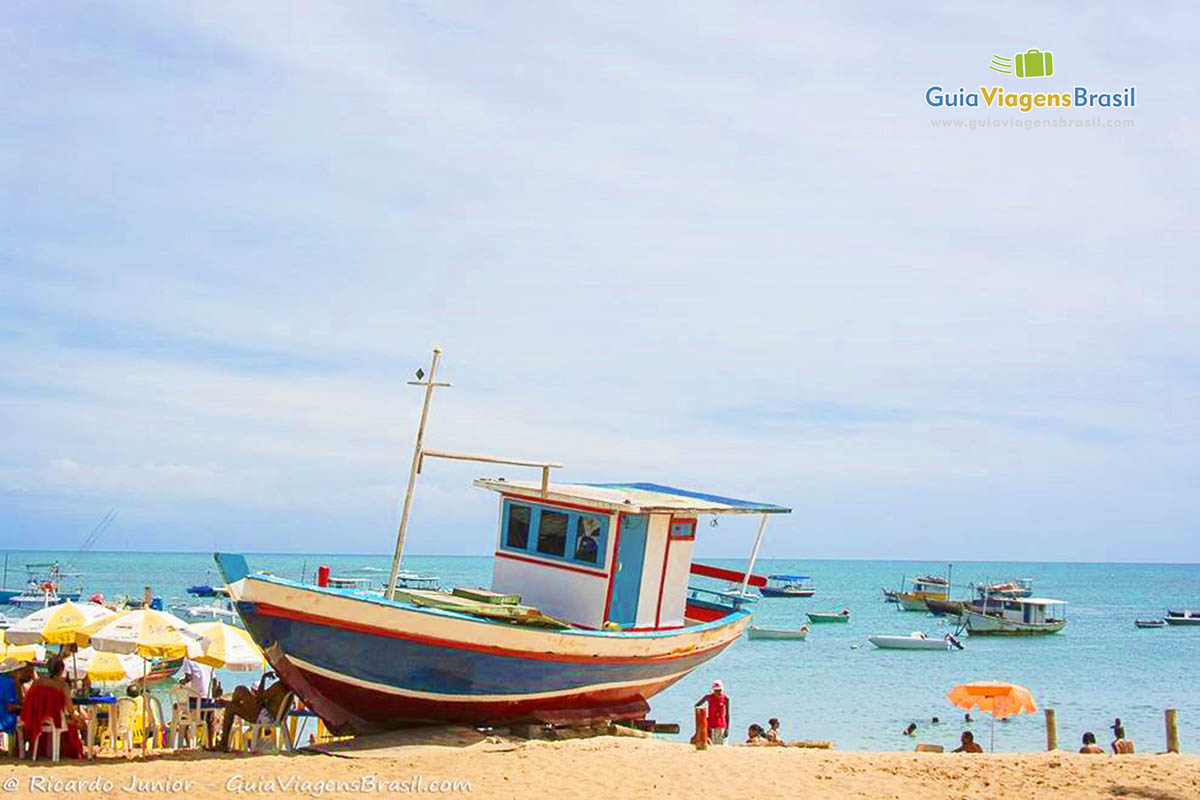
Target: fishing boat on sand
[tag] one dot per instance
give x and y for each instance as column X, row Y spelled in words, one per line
column 1185, row 617
column 1018, row 616
column 788, row 586
column 818, row 617
column 916, row 640
column 778, row 634
column 586, row 618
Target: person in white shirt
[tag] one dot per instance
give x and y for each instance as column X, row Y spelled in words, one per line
column 197, row 678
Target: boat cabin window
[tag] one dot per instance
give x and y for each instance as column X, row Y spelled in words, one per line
column 552, row 533
column 559, row 534
column 516, row 526
column 587, row 538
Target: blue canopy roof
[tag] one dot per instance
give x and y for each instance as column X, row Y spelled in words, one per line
column 637, row 498
column 716, row 499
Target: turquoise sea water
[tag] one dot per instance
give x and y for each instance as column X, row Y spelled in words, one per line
column 836, row 685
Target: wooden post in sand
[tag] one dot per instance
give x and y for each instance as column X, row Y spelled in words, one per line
column 147, row 596
column 1051, row 729
column 1172, row 730
column 701, row 737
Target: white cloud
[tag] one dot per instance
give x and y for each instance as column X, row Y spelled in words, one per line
column 710, row 245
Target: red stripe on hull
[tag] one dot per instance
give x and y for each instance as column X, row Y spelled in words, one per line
column 286, row 613
column 701, row 614
column 385, row 710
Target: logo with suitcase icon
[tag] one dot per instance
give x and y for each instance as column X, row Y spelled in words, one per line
column 1032, row 63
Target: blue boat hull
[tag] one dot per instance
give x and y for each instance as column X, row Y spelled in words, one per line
column 364, row 663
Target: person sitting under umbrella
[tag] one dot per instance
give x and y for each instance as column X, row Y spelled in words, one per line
column 250, row 704
column 969, row 745
column 49, row 698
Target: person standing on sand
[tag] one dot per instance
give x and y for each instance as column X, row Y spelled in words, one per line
column 1089, row 745
column 718, row 712
column 968, row 744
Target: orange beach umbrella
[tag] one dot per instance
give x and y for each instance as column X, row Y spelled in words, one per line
column 998, row 698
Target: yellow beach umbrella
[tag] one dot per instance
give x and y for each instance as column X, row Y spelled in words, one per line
column 106, row 667
column 149, row 633
column 227, row 647
column 20, row 652
column 56, row 624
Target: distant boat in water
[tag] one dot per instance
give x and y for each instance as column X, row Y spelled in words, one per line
column 916, row 640
column 817, row 617
column 1184, row 617
column 1018, row 616
column 788, row 586
column 924, row 588
column 1020, row 587
column 42, row 587
column 1150, row 623
column 794, row 634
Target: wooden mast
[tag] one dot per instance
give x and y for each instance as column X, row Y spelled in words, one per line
column 419, row 453
column 762, row 527
column 416, row 466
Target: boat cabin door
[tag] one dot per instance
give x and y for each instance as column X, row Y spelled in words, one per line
column 627, row 569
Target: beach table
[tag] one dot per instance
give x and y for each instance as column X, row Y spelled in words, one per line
column 293, row 726
column 96, row 704
column 208, row 709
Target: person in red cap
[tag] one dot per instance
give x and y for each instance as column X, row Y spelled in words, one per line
column 718, row 712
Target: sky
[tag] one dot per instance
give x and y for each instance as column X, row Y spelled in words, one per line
column 713, row 245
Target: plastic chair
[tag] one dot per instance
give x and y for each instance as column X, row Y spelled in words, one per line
column 185, row 717
column 276, row 729
column 19, row 732
column 125, row 719
column 156, row 720
column 56, row 732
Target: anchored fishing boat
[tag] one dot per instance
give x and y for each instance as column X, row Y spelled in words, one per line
column 1019, row 587
column 587, row 615
column 788, row 586
column 817, row 617
column 923, row 588
column 1184, row 617
column 43, row 587
column 1016, row 616
column 1150, row 623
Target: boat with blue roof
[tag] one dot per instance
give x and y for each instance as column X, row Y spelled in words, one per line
column 788, row 586
column 588, row 614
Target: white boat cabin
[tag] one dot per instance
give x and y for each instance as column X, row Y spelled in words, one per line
column 1029, row 610
column 603, row 555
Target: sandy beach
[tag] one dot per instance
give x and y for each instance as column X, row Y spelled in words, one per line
column 608, row 766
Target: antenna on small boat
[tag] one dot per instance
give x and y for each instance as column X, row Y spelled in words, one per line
column 416, row 464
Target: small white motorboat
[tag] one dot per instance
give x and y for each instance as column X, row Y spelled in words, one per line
column 1150, row 623
column 1189, row 616
column 915, row 641
column 754, row 632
